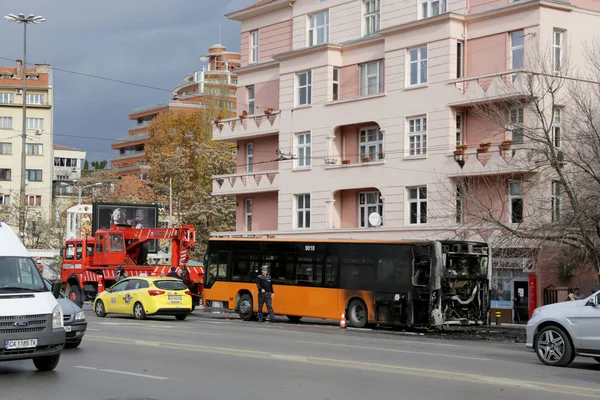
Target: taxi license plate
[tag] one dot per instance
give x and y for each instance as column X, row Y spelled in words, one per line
column 174, row 297
column 20, row 344
column 67, row 329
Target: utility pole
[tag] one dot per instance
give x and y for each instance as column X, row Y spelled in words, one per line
column 170, row 202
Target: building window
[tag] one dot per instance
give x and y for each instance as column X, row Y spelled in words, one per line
column 5, row 148
column 254, row 46
column 459, row 204
column 5, row 122
column 371, row 144
column 371, row 78
column 304, row 88
column 303, row 211
column 65, row 162
column 557, row 50
column 35, row 98
column 556, row 127
column 303, row 148
column 34, row 175
column 5, row 199
column 517, row 51
column 515, row 192
column 557, row 205
column 249, row 157
column 34, row 123
column 5, row 174
column 515, row 124
column 369, row 203
column 319, row 27
column 371, row 13
column 34, row 201
column 459, row 129
column 34, row 149
column 417, row 200
column 248, row 212
column 417, row 136
column 250, row 91
column 431, row 8
column 336, row 84
column 418, row 65
column 460, row 59
column 7, row 98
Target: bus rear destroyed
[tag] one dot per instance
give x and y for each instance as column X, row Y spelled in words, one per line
column 407, row 283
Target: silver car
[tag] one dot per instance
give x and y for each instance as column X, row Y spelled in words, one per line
column 559, row 332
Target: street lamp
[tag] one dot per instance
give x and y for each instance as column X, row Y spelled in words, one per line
column 22, row 19
column 80, row 189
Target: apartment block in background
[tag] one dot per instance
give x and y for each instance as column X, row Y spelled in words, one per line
column 215, row 81
column 39, row 127
column 355, row 109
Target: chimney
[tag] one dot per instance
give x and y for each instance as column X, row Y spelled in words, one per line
column 19, row 69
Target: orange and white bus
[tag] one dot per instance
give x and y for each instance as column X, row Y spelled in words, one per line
column 410, row 283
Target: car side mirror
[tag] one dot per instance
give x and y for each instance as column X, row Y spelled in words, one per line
column 62, row 253
column 593, row 301
column 56, row 286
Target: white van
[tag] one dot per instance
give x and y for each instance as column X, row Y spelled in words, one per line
column 31, row 321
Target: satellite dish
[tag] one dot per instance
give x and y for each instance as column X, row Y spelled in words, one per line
column 204, row 58
column 375, row 219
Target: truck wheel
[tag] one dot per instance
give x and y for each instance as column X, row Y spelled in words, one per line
column 75, row 295
column 553, row 347
column 245, row 308
column 46, row 363
column 138, row 311
column 100, row 310
column 357, row 313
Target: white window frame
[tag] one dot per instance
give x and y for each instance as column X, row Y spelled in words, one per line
column 308, row 87
column 313, row 31
column 35, row 171
column 557, row 127
column 515, row 122
column 416, row 58
column 363, row 208
column 248, row 214
column 7, row 98
column 5, row 122
column 365, row 146
column 558, row 37
column 302, row 211
column 5, row 148
column 371, row 16
column 4, row 199
column 254, row 46
column 34, row 197
column 336, row 83
column 365, row 88
column 34, row 149
column 516, row 48
column 303, row 149
column 249, row 157
column 419, row 200
column 427, row 8
column 460, row 128
column 512, row 197
column 250, row 91
column 557, row 200
column 35, row 98
column 417, row 136
column 460, row 59
column 34, row 124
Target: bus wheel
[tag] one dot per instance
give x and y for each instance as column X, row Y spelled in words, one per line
column 245, row 307
column 357, row 313
column 294, row 318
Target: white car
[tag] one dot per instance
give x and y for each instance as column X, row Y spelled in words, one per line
column 559, row 332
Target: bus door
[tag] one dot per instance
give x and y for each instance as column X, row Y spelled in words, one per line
column 216, row 286
column 421, row 280
column 309, row 274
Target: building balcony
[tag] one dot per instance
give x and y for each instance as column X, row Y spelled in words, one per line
column 131, row 140
column 498, row 86
column 233, row 129
column 495, row 161
column 133, row 154
column 132, row 168
column 245, row 183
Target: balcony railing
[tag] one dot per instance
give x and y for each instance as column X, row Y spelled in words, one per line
column 251, row 126
column 129, row 155
column 495, row 86
column 140, row 125
column 249, row 182
column 131, row 138
column 130, row 168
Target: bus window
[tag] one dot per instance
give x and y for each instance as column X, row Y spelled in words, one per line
column 216, row 268
column 422, row 272
column 309, row 271
column 331, row 271
column 245, row 267
column 358, row 273
column 70, row 252
column 282, row 269
column 78, row 251
column 99, row 243
column 116, row 243
column 393, row 275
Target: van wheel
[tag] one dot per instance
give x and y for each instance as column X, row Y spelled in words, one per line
column 245, row 308
column 293, row 318
column 75, row 295
column 357, row 313
column 138, row 311
column 553, row 347
column 46, row 363
column 100, row 310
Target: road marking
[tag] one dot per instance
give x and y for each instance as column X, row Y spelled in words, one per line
column 94, row 330
column 289, row 357
column 572, row 391
column 404, row 341
column 396, row 350
column 114, row 371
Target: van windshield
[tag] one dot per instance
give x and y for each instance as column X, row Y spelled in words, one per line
column 20, row 273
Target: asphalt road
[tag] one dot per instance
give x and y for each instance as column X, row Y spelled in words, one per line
column 206, row 358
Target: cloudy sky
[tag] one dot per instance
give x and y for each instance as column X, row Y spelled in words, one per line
column 149, row 42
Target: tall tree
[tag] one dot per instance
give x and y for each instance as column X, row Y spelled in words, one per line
column 105, row 185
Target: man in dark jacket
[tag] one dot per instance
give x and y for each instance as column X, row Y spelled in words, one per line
column 265, row 293
column 173, row 273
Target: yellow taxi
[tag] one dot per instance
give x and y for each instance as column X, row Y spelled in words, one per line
column 141, row 296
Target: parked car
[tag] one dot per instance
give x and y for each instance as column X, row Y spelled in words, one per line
column 142, row 296
column 559, row 332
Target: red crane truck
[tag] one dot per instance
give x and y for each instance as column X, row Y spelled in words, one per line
column 89, row 264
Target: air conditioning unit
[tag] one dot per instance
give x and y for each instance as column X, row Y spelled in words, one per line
column 19, row 91
column 38, row 132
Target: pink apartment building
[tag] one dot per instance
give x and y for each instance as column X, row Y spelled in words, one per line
column 369, row 100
